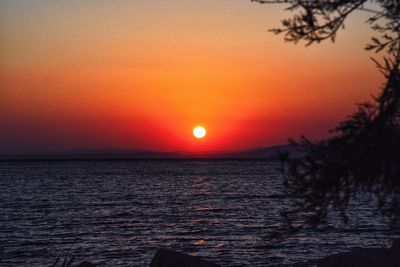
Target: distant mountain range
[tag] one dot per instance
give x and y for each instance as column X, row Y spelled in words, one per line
column 115, row 154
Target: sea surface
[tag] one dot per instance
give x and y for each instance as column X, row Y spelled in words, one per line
column 118, row 213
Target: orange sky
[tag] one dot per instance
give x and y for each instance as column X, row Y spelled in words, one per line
column 141, row 74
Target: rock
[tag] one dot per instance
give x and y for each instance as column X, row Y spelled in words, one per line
column 86, row 264
column 168, row 258
column 396, row 246
column 364, row 257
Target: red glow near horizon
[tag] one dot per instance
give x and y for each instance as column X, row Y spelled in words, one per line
column 142, row 80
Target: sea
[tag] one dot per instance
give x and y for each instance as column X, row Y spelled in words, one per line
column 119, row 213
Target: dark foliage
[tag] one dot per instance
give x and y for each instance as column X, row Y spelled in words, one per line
column 68, row 263
column 319, row 20
column 65, row 263
column 363, row 154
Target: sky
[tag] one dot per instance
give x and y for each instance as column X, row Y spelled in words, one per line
column 141, row 74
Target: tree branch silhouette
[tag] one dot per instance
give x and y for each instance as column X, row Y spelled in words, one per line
column 363, row 154
column 319, row 20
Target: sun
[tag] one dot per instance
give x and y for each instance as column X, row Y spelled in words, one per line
column 199, row 132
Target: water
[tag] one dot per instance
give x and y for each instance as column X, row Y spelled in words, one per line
column 118, row 213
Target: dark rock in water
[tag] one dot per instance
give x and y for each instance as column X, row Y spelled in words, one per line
column 365, row 257
column 396, row 246
column 168, row 258
column 86, row 264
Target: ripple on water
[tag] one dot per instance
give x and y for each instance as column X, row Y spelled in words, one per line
column 119, row 213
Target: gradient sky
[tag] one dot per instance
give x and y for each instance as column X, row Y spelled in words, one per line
column 101, row 74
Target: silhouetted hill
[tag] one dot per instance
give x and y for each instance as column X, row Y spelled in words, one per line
column 115, row 154
column 253, row 153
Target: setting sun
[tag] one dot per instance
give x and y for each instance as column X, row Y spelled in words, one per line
column 199, row 132
column 193, row 128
